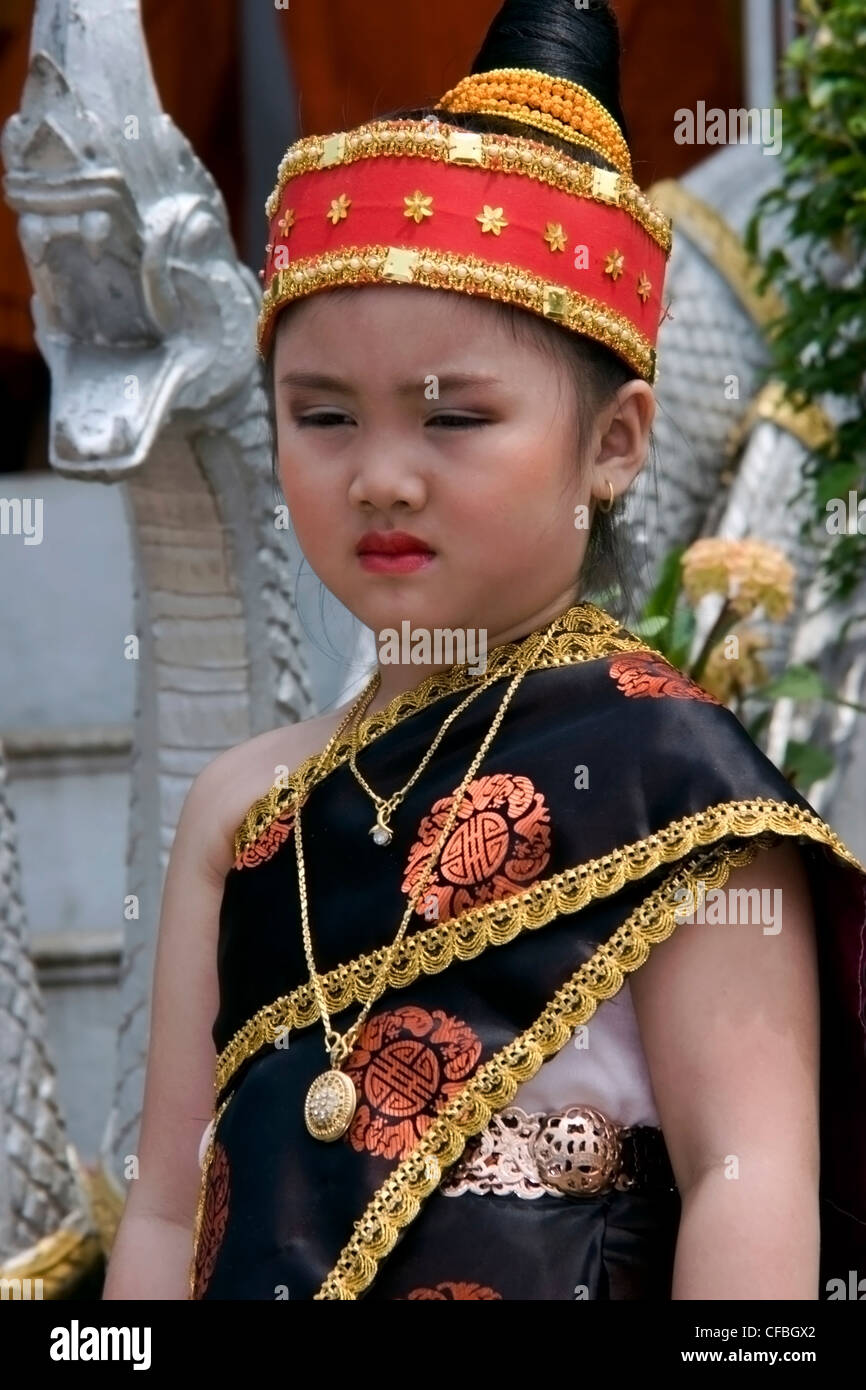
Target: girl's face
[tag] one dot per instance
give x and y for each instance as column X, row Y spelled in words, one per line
column 403, row 409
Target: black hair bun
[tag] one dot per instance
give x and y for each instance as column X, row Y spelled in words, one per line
column 578, row 42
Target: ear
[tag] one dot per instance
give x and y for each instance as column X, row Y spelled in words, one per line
column 621, row 439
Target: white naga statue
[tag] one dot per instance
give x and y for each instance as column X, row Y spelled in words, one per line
column 146, row 318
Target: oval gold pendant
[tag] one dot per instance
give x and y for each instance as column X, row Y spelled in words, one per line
column 330, row 1105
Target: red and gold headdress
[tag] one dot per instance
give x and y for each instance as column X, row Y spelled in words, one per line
column 502, row 216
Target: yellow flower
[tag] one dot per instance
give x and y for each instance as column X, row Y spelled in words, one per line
column 727, row 675
column 747, row 573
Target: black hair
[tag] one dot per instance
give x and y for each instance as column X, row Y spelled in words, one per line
column 580, row 43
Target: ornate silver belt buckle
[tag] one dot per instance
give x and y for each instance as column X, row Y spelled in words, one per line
column 578, row 1151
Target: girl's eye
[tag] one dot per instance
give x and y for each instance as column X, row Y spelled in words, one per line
column 458, row 421
column 325, row 418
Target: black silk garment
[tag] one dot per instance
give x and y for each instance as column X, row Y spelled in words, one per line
column 613, row 786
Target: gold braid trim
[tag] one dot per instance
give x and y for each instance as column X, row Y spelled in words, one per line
column 588, row 632
column 202, row 1192
column 540, row 121
column 398, row 1200
column 450, row 270
column 502, row 153
column 463, row 937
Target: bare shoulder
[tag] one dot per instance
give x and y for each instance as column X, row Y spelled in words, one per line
column 728, row 1012
column 226, row 788
column 731, row 929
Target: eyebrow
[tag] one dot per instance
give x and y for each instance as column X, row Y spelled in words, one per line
column 318, row 381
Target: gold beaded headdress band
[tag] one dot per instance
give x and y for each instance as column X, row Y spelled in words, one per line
column 552, row 104
column 505, row 217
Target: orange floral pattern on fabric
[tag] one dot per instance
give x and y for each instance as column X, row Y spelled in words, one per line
column 450, row 1289
column 214, row 1220
column 272, row 838
column 499, row 844
column 639, row 674
column 406, row 1064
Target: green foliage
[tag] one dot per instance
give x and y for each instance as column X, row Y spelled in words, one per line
column 798, row 683
column 818, row 347
column 804, row 763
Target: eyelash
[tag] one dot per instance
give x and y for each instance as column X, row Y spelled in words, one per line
column 324, row 421
column 465, row 421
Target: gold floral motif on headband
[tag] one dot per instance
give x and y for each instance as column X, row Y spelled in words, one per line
column 491, row 219
column 418, row 205
column 510, row 154
column 339, row 208
column 555, row 236
column 614, row 264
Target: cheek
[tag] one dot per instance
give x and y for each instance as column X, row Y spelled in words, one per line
column 307, row 481
column 526, row 487
column 521, row 523
column 311, row 508
column 315, row 494
column 313, row 520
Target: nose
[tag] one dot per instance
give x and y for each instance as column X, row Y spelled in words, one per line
column 385, row 477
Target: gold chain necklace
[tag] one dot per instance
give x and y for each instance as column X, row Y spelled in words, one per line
column 386, row 806
column 331, row 1098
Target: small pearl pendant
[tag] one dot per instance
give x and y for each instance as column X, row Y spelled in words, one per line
column 380, row 832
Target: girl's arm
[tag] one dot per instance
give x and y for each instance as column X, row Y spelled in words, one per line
column 729, row 1020
column 153, row 1247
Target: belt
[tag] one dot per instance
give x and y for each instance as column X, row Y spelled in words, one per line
column 577, row 1152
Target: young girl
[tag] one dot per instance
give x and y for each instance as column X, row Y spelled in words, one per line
column 518, row 978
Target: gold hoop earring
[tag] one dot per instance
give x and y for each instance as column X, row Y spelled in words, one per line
column 606, row 506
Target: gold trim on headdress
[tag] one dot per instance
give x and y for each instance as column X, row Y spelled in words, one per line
column 511, row 284
column 513, row 153
column 551, row 104
column 359, row 223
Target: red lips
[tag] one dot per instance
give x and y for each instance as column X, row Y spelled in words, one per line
column 391, row 543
